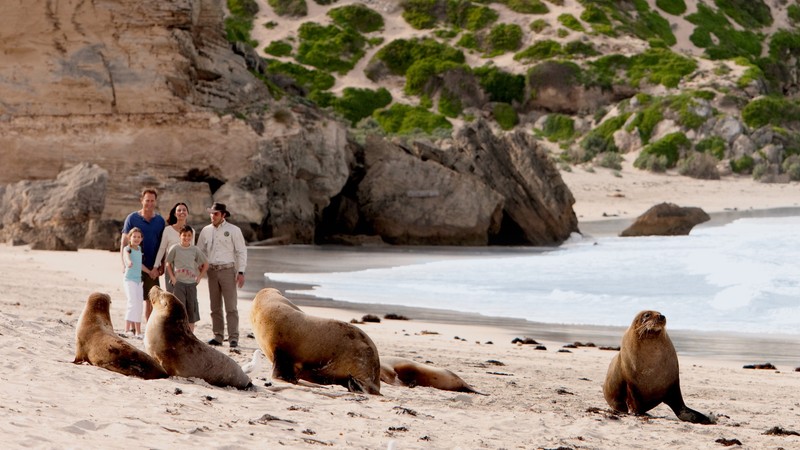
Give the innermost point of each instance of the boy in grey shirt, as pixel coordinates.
(186, 265)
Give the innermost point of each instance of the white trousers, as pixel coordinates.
(133, 290)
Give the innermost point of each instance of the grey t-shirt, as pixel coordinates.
(186, 262)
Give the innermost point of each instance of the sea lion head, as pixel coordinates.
(167, 305)
(649, 324)
(98, 307)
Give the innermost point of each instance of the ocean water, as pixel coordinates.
(742, 277)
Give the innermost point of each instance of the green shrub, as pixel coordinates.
(770, 110)
(728, 42)
(357, 16)
(450, 104)
(469, 41)
(538, 25)
(674, 7)
(539, 51)
(601, 138)
(467, 15)
(651, 25)
(239, 24)
(609, 160)
(669, 147)
(713, 145)
(577, 47)
(356, 103)
(558, 127)
(747, 13)
(647, 119)
(405, 119)
(504, 38)
(569, 21)
(526, 6)
(594, 14)
(793, 12)
(400, 54)
(418, 75)
(660, 66)
(419, 13)
(501, 86)
(278, 48)
(293, 8)
(743, 165)
(311, 80)
(329, 48)
(248, 8)
(505, 115)
(791, 166)
(702, 166)
(784, 44)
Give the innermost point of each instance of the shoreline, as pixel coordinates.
(52, 403)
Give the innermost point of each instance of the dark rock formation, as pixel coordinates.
(666, 219)
(475, 189)
(409, 201)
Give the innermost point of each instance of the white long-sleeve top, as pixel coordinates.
(223, 245)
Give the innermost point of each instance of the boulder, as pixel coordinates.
(409, 201)
(666, 219)
(537, 204)
(55, 214)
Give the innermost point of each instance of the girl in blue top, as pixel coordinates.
(132, 283)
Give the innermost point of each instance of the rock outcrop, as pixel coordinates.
(109, 97)
(666, 219)
(475, 189)
(62, 214)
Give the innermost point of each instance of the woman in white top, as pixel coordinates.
(171, 236)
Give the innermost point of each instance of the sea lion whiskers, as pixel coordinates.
(649, 324)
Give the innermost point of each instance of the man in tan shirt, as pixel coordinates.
(224, 247)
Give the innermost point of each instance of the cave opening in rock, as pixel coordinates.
(510, 233)
(211, 175)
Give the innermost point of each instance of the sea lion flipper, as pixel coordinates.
(283, 367)
(674, 400)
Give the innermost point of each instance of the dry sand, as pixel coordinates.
(536, 398)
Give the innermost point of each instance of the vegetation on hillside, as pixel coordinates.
(647, 95)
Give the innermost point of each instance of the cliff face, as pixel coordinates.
(149, 93)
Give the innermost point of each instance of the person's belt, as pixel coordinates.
(220, 266)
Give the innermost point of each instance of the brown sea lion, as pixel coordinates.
(315, 349)
(405, 372)
(645, 372)
(175, 347)
(98, 344)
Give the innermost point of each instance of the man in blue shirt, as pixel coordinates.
(152, 226)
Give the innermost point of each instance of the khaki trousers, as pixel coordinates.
(222, 286)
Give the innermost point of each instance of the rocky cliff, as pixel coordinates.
(100, 99)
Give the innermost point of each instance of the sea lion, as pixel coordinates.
(180, 353)
(405, 372)
(98, 344)
(315, 349)
(645, 372)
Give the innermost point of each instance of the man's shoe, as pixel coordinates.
(234, 344)
(214, 342)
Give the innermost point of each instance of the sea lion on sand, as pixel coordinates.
(645, 372)
(315, 349)
(176, 348)
(405, 372)
(97, 343)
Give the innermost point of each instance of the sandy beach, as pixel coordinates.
(536, 398)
